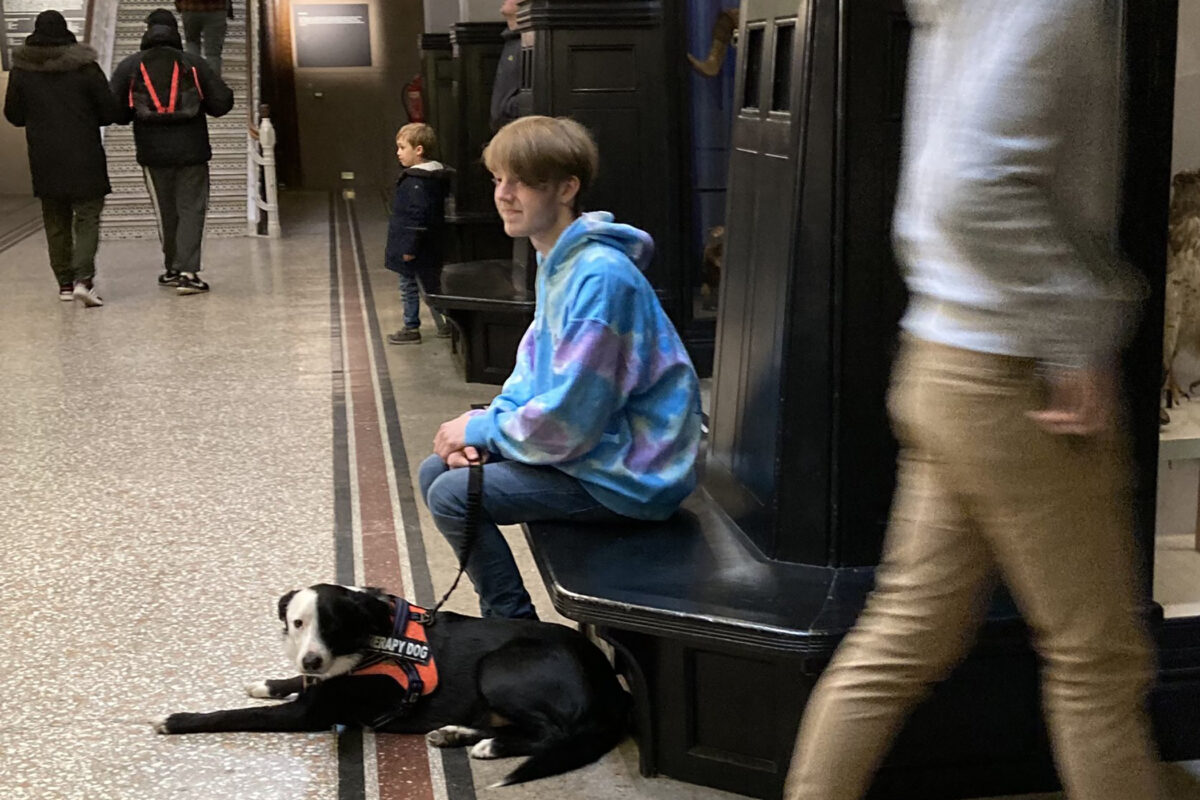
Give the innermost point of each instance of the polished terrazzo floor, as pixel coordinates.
(172, 464)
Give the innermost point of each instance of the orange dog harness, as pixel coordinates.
(405, 656)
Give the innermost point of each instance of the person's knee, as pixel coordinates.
(446, 498)
(1120, 667)
(429, 471)
(887, 649)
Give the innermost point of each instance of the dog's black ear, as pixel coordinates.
(373, 607)
(283, 604)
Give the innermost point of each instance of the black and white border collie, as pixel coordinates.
(506, 687)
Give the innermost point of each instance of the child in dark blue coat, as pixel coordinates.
(415, 229)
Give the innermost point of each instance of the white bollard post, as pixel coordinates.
(266, 137)
(251, 185)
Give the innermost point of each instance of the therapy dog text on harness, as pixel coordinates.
(404, 656)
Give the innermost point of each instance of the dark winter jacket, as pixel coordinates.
(418, 216)
(177, 144)
(508, 81)
(59, 95)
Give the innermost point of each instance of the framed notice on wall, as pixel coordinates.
(332, 35)
(17, 16)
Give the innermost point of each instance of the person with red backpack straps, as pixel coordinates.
(166, 94)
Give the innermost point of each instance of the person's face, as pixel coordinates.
(526, 210)
(408, 154)
(508, 9)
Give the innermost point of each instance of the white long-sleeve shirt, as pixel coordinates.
(1006, 216)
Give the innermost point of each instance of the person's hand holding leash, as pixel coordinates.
(1080, 402)
(465, 457)
(450, 436)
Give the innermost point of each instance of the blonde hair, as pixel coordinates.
(418, 134)
(542, 150)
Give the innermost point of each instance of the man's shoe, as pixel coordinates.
(405, 336)
(169, 278)
(190, 284)
(66, 292)
(85, 293)
(444, 331)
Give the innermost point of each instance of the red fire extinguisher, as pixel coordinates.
(414, 103)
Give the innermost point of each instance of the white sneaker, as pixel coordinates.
(87, 294)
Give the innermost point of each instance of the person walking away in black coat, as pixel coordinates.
(58, 93)
(166, 94)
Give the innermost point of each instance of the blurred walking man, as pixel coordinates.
(1004, 400)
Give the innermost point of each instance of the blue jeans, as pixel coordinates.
(411, 287)
(512, 493)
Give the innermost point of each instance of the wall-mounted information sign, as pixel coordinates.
(332, 35)
(17, 16)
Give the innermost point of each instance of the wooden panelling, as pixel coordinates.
(611, 67)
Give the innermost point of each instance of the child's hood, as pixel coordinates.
(428, 169)
(598, 226)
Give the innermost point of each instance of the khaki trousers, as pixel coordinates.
(983, 492)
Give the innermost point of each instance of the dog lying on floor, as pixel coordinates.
(508, 687)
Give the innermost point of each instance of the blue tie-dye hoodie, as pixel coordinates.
(603, 388)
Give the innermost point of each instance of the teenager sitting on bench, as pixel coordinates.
(600, 419)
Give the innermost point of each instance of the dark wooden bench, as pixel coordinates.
(489, 314)
(474, 236)
(721, 647)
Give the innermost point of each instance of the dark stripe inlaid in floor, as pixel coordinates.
(456, 766)
(351, 781)
(403, 761)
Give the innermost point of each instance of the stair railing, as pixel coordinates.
(262, 154)
(262, 187)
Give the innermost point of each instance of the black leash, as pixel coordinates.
(470, 530)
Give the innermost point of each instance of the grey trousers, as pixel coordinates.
(180, 197)
(209, 26)
(72, 235)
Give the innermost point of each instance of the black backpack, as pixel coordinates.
(164, 89)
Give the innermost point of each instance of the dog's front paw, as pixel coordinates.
(259, 689)
(161, 724)
(272, 689)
